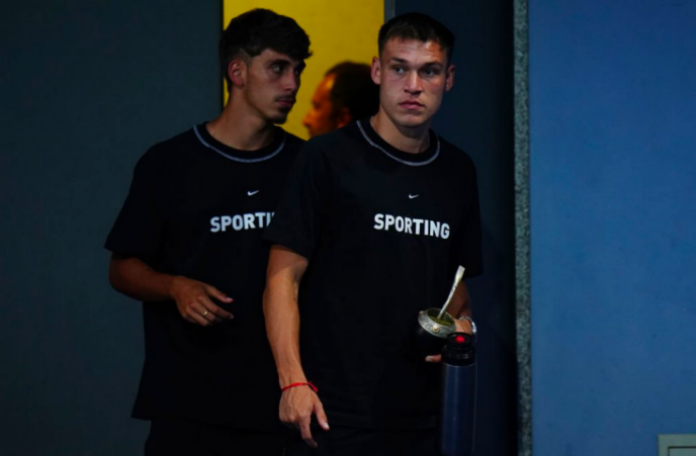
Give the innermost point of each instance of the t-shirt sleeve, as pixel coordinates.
(304, 203)
(139, 227)
(468, 240)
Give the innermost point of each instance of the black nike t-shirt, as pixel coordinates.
(384, 231)
(198, 208)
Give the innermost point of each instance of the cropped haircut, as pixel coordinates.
(251, 33)
(417, 26)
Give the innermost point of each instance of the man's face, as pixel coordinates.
(413, 76)
(272, 81)
(320, 118)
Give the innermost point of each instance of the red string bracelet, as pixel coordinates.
(292, 385)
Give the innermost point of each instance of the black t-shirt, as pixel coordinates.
(198, 208)
(384, 231)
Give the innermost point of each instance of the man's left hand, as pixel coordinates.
(462, 326)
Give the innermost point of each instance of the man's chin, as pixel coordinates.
(278, 118)
(411, 121)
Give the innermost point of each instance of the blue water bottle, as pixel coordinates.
(458, 410)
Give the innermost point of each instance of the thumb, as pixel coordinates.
(321, 415)
(215, 293)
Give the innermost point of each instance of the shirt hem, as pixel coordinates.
(348, 420)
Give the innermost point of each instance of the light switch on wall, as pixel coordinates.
(676, 444)
(682, 452)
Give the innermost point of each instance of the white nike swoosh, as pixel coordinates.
(413, 196)
(250, 193)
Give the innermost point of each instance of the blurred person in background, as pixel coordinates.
(346, 93)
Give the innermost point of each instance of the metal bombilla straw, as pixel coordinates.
(457, 279)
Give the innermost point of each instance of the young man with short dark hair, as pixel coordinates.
(188, 243)
(374, 221)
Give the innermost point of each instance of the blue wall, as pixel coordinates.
(86, 88)
(613, 200)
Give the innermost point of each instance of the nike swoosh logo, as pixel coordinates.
(412, 196)
(250, 193)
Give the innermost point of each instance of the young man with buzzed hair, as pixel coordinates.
(373, 223)
(188, 243)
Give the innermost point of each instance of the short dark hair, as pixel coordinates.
(417, 26)
(353, 89)
(251, 33)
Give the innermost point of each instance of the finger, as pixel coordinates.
(215, 310)
(463, 326)
(196, 317)
(433, 359)
(321, 415)
(217, 294)
(208, 310)
(307, 433)
(205, 313)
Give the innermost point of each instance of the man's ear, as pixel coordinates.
(376, 70)
(237, 72)
(450, 78)
(343, 117)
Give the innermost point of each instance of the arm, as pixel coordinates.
(280, 307)
(461, 305)
(285, 271)
(134, 278)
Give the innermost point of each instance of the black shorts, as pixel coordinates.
(175, 437)
(345, 441)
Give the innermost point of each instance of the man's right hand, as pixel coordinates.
(296, 408)
(193, 301)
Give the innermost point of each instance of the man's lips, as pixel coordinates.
(286, 102)
(411, 104)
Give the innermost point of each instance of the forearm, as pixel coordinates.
(136, 279)
(461, 302)
(282, 314)
(283, 329)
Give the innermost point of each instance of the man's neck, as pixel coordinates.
(241, 128)
(413, 140)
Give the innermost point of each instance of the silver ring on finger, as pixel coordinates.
(205, 313)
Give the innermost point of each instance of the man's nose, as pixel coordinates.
(413, 82)
(292, 83)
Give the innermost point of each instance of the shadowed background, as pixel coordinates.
(87, 87)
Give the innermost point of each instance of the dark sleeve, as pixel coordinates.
(468, 240)
(139, 227)
(304, 203)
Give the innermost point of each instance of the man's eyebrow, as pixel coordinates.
(279, 61)
(433, 63)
